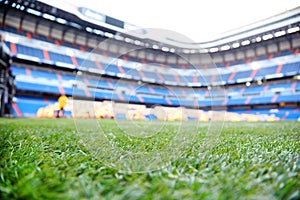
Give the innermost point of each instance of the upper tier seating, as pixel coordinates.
(112, 69)
(61, 58)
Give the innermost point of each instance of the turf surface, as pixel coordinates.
(54, 159)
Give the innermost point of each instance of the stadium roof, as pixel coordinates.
(199, 21)
(103, 19)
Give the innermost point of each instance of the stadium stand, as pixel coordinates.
(52, 59)
(7, 85)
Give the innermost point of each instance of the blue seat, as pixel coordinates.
(288, 98)
(262, 72)
(291, 69)
(56, 57)
(161, 91)
(43, 74)
(151, 75)
(236, 101)
(37, 87)
(261, 100)
(18, 70)
(30, 105)
(242, 75)
(29, 51)
(253, 90)
(297, 87)
(67, 77)
(87, 63)
(143, 89)
(280, 85)
(168, 77)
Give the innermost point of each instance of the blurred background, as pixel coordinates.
(145, 64)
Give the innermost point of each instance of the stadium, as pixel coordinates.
(94, 107)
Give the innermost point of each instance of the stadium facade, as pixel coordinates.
(58, 49)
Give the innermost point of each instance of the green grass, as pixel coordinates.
(50, 159)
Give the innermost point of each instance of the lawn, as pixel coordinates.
(108, 159)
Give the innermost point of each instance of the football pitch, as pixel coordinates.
(110, 159)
